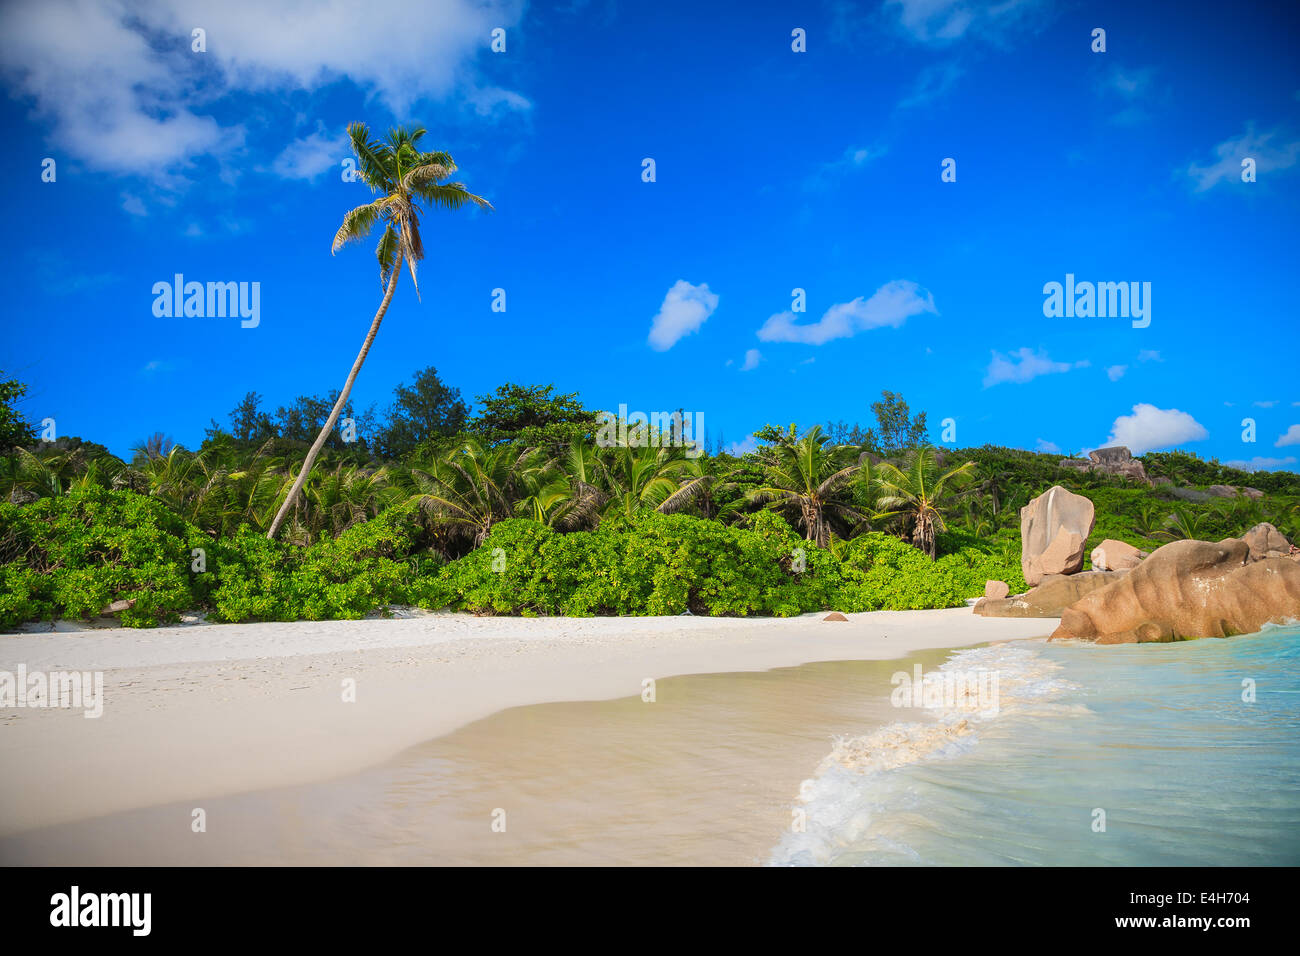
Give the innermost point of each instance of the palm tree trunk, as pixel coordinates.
(343, 400)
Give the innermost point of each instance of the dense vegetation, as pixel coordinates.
(518, 510)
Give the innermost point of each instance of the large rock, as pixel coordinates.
(1053, 528)
(996, 589)
(1189, 494)
(1063, 556)
(1222, 491)
(1118, 460)
(1050, 598)
(1188, 589)
(1264, 541)
(1112, 555)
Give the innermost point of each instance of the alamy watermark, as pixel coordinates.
(1101, 300)
(654, 430)
(215, 300)
(70, 689)
(946, 690)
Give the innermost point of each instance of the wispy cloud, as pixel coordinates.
(309, 156)
(891, 305)
(1024, 365)
(1132, 88)
(1259, 463)
(942, 22)
(752, 358)
(854, 158)
(1116, 372)
(125, 94)
(931, 84)
(1271, 151)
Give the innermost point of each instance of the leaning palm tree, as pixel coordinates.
(919, 494)
(404, 177)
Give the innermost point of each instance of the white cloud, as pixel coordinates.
(1263, 404)
(1149, 355)
(1150, 428)
(1290, 437)
(743, 447)
(1116, 372)
(1024, 365)
(931, 84)
(684, 310)
(855, 157)
(752, 358)
(1132, 86)
(134, 205)
(890, 305)
(123, 92)
(308, 157)
(1129, 83)
(493, 99)
(939, 22)
(1261, 147)
(1047, 447)
(1261, 464)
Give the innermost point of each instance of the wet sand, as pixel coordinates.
(195, 715)
(706, 773)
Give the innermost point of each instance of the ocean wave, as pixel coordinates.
(838, 807)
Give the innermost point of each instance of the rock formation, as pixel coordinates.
(1265, 541)
(1188, 589)
(1050, 598)
(1112, 555)
(1053, 528)
(1118, 460)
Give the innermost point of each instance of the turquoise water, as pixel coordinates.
(1157, 736)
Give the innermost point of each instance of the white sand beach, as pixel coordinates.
(199, 712)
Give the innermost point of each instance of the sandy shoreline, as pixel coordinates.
(193, 713)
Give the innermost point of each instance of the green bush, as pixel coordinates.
(667, 564)
(651, 564)
(74, 555)
(368, 567)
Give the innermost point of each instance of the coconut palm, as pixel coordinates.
(1182, 523)
(404, 177)
(644, 478)
(812, 482)
(919, 494)
(475, 486)
(345, 496)
(1148, 520)
(565, 493)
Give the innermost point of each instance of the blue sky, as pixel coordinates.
(775, 170)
